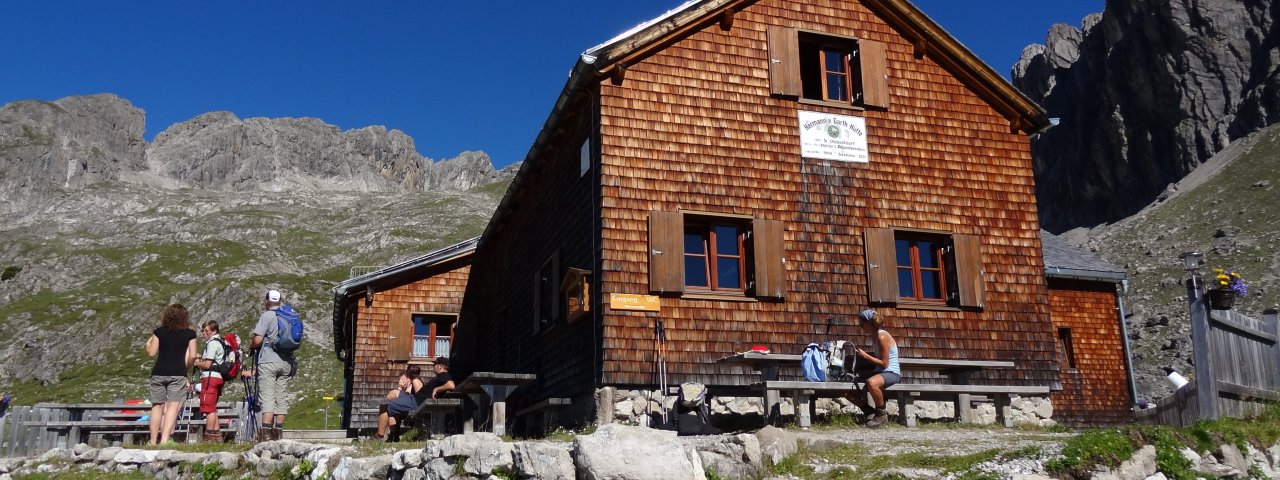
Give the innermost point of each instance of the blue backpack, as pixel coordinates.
(814, 363)
(290, 329)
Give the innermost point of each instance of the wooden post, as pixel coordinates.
(803, 405)
(604, 406)
(1271, 324)
(1206, 386)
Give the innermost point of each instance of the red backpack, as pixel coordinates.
(232, 357)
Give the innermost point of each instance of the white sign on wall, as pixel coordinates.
(833, 137)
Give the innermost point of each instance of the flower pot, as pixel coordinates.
(1221, 298)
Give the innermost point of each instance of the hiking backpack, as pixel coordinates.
(814, 363)
(232, 357)
(290, 329)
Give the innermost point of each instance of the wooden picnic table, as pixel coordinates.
(496, 386)
(958, 372)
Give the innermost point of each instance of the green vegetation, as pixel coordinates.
(1106, 447)
(855, 461)
(10, 272)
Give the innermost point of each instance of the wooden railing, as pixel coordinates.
(1237, 367)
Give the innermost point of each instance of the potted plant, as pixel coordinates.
(1227, 285)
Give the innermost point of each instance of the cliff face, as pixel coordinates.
(69, 143)
(1145, 92)
(79, 141)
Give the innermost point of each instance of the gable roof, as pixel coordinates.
(615, 54)
(393, 276)
(1064, 260)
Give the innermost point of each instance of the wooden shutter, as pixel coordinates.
(875, 74)
(400, 337)
(969, 272)
(770, 264)
(882, 266)
(666, 252)
(784, 61)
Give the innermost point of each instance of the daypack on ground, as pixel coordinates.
(290, 329)
(232, 357)
(814, 363)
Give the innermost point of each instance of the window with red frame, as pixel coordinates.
(714, 258)
(922, 272)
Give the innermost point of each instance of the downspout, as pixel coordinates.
(1122, 288)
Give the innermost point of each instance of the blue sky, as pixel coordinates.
(454, 75)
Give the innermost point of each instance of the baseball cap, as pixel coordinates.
(868, 314)
(273, 295)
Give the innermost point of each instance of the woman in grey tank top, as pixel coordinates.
(885, 358)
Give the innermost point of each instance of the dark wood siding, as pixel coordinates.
(695, 127)
(552, 215)
(1096, 392)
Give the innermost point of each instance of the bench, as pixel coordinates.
(906, 394)
(433, 409)
(92, 423)
(546, 412)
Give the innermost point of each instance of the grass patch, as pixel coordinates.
(10, 272)
(856, 461)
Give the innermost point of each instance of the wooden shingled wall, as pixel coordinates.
(1095, 392)
(693, 127)
(374, 375)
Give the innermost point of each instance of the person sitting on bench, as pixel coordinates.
(887, 372)
(400, 405)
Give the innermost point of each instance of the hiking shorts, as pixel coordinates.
(402, 405)
(210, 390)
(273, 387)
(890, 378)
(167, 388)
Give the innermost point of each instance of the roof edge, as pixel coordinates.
(1073, 273)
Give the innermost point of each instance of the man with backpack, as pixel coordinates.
(218, 362)
(275, 339)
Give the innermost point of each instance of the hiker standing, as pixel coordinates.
(275, 369)
(173, 345)
(211, 381)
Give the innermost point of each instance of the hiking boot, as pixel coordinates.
(877, 419)
(264, 434)
(276, 433)
(212, 437)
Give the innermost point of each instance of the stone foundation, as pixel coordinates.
(645, 407)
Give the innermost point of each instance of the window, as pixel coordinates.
(577, 294)
(919, 268)
(546, 293)
(921, 272)
(827, 68)
(432, 334)
(707, 253)
(1065, 350)
(713, 255)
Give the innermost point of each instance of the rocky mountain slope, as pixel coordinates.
(1228, 209)
(1146, 91)
(102, 229)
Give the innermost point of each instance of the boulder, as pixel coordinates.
(465, 445)
(776, 444)
(543, 460)
(729, 456)
(649, 454)
(488, 458)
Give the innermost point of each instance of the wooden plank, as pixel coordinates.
(666, 252)
(784, 61)
(969, 271)
(882, 267)
(770, 267)
(400, 336)
(1230, 320)
(875, 73)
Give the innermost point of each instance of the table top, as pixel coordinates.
(480, 379)
(755, 358)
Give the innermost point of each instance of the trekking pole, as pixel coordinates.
(661, 333)
(184, 415)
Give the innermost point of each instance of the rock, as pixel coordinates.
(730, 456)
(437, 469)
(226, 460)
(55, 454)
(1125, 137)
(406, 459)
(543, 460)
(489, 457)
(465, 445)
(108, 453)
(267, 467)
(650, 454)
(1232, 457)
(776, 444)
(414, 474)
